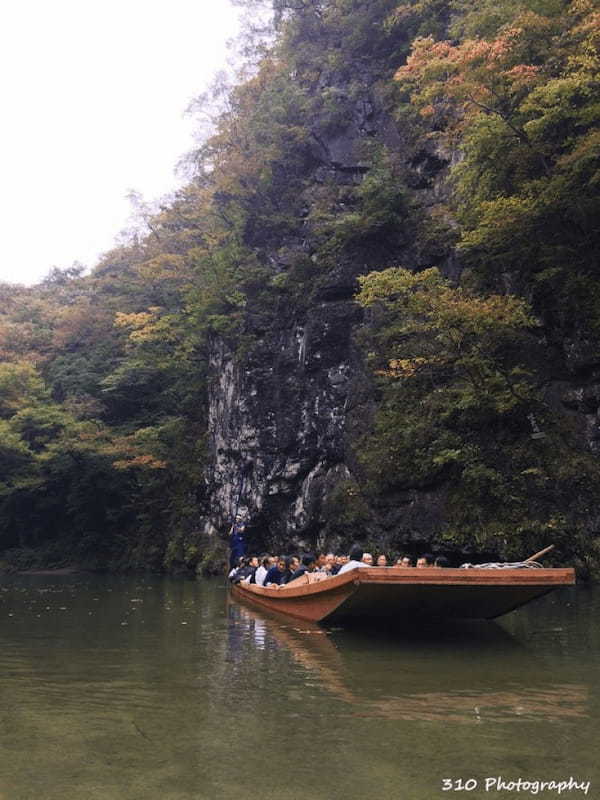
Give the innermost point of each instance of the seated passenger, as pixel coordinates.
(274, 576)
(246, 573)
(239, 565)
(405, 561)
(309, 563)
(331, 564)
(355, 560)
(253, 563)
(291, 565)
(441, 561)
(368, 559)
(425, 561)
(321, 563)
(261, 572)
(381, 560)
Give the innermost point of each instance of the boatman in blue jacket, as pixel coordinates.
(237, 542)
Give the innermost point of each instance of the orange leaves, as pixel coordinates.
(478, 76)
(78, 323)
(134, 451)
(403, 367)
(523, 75)
(134, 321)
(144, 461)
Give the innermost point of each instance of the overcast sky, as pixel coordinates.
(93, 100)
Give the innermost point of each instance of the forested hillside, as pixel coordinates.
(373, 312)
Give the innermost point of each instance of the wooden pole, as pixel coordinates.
(541, 553)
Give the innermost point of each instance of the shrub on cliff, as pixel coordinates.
(461, 408)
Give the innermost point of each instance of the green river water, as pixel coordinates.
(162, 689)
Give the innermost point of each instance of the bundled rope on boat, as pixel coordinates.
(529, 563)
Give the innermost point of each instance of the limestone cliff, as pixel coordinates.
(285, 416)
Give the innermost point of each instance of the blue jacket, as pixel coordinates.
(274, 575)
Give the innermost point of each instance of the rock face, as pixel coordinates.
(277, 428)
(282, 418)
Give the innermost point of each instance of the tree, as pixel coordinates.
(522, 106)
(462, 409)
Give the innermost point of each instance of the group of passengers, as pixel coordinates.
(280, 570)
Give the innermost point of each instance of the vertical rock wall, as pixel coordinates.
(277, 425)
(282, 419)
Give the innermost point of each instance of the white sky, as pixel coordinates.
(93, 94)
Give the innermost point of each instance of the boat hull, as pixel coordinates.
(400, 594)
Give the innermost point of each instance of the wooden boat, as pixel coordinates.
(400, 593)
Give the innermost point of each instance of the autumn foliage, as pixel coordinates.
(479, 158)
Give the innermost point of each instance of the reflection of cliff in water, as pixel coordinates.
(460, 673)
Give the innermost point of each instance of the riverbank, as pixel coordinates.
(61, 557)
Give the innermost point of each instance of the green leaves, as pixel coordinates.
(20, 384)
(457, 393)
(17, 462)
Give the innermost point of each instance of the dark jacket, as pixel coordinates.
(299, 573)
(237, 544)
(274, 575)
(242, 573)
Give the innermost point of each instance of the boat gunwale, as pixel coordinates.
(407, 576)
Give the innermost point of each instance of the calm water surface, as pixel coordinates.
(159, 688)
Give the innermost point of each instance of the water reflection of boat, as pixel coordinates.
(394, 593)
(455, 675)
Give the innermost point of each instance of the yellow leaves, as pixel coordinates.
(401, 367)
(144, 461)
(389, 284)
(163, 267)
(134, 321)
(20, 385)
(587, 27)
(499, 219)
(146, 326)
(438, 306)
(466, 309)
(436, 335)
(533, 472)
